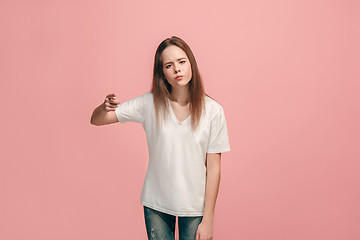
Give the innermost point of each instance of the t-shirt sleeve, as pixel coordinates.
(132, 110)
(219, 140)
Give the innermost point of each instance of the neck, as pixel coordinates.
(181, 95)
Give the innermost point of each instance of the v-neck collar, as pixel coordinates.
(173, 116)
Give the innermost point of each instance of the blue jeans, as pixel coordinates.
(161, 226)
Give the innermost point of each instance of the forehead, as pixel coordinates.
(172, 52)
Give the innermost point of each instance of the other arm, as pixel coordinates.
(212, 184)
(212, 187)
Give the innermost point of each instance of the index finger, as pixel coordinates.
(111, 95)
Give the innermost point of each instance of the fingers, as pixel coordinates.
(111, 95)
(197, 235)
(111, 102)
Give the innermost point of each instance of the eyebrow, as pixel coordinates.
(177, 59)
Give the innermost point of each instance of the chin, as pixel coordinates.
(181, 85)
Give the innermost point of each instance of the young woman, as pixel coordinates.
(186, 133)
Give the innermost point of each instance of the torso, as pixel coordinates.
(181, 112)
(176, 177)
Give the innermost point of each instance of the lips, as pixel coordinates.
(179, 77)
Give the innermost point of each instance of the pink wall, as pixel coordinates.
(284, 71)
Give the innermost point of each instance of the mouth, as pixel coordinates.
(179, 77)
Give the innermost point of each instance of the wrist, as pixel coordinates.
(208, 218)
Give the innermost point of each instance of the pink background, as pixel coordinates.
(286, 73)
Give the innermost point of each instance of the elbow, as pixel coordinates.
(92, 122)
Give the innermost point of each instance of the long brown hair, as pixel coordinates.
(161, 88)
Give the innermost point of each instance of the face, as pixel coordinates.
(176, 63)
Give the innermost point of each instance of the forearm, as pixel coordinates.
(212, 188)
(98, 115)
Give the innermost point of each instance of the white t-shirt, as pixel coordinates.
(175, 180)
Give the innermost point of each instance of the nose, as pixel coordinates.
(176, 68)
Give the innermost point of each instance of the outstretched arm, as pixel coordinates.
(105, 112)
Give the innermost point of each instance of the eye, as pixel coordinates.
(183, 61)
(167, 66)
